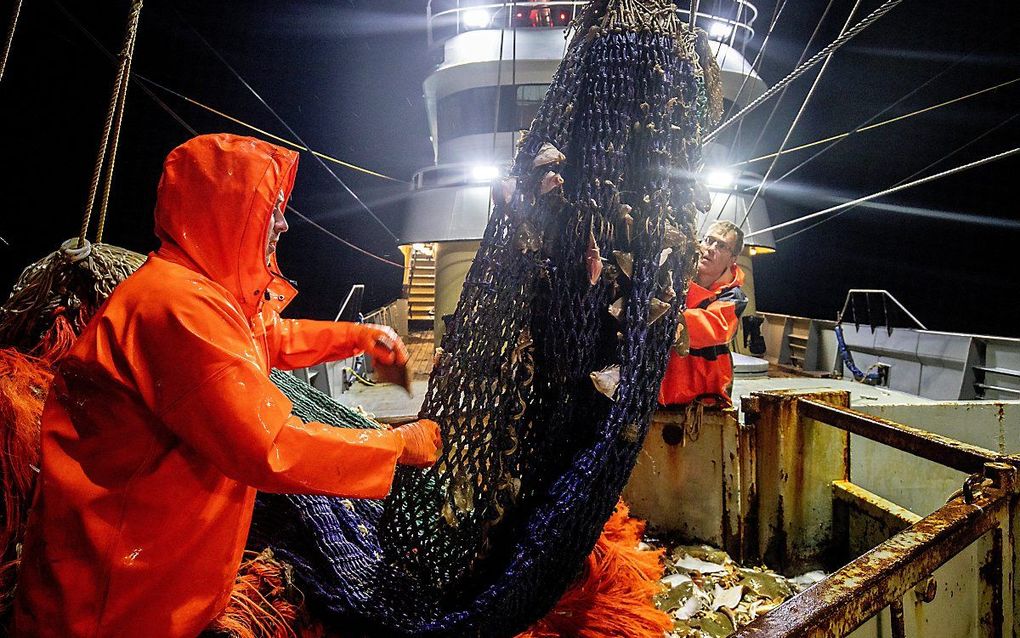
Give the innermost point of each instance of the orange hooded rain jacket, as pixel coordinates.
(711, 317)
(162, 421)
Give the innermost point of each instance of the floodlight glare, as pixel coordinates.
(484, 173)
(719, 178)
(476, 19)
(720, 31)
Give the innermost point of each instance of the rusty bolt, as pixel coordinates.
(926, 589)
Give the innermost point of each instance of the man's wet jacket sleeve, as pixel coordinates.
(301, 343)
(206, 379)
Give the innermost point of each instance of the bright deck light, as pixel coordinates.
(484, 173)
(476, 19)
(720, 31)
(719, 178)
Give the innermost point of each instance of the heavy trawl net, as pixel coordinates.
(547, 377)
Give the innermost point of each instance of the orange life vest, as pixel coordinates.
(711, 317)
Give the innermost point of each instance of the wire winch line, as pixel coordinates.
(898, 118)
(184, 124)
(803, 56)
(757, 58)
(134, 76)
(908, 177)
(343, 241)
(755, 67)
(264, 132)
(799, 71)
(874, 117)
(143, 80)
(772, 114)
(888, 191)
(289, 129)
(9, 40)
(763, 184)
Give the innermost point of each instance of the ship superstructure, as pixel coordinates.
(494, 62)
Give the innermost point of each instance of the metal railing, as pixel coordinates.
(447, 18)
(880, 578)
(872, 317)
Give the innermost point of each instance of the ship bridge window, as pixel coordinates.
(473, 111)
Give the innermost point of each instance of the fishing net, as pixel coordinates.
(54, 297)
(548, 373)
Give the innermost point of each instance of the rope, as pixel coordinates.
(289, 129)
(10, 38)
(125, 55)
(184, 124)
(155, 98)
(796, 120)
(265, 133)
(871, 119)
(777, 12)
(862, 129)
(889, 191)
(887, 6)
(694, 14)
(123, 83)
(754, 65)
(909, 177)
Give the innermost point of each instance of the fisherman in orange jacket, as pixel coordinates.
(162, 421)
(714, 305)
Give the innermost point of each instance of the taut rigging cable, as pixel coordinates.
(888, 191)
(871, 119)
(861, 129)
(754, 69)
(871, 18)
(289, 129)
(793, 125)
(908, 177)
(184, 124)
(772, 113)
(251, 127)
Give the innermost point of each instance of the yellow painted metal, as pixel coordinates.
(453, 260)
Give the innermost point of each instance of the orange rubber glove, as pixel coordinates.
(380, 343)
(422, 443)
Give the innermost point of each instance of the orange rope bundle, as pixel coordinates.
(24, 382)
(262, 603)
(614, 597)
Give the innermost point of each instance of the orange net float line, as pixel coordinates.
(24, 382)
(614, 595)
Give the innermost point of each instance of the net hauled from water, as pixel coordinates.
(549, 371)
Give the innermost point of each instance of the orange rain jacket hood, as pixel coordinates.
(162, 421)
(711, 317)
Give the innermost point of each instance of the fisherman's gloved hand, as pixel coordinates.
(422, 443)
(380, 343)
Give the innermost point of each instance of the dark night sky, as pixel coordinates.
(347, 76)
